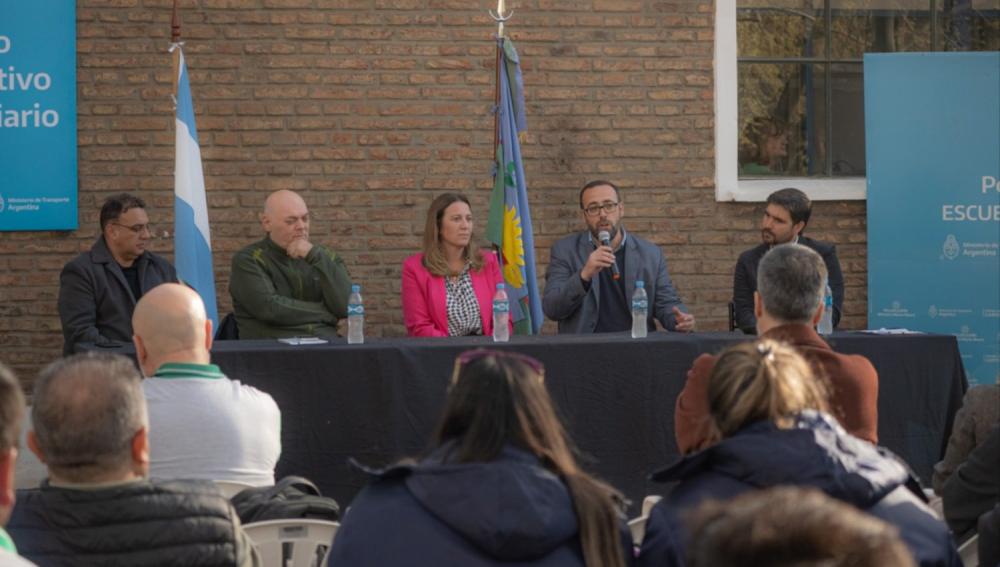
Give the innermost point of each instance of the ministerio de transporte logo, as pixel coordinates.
(951, 249)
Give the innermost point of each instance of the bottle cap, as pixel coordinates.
(355, 288)
(640, 284)
(500, 286)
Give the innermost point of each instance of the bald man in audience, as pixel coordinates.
(201, 424)
(285, 285)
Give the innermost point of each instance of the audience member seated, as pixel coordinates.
(499, 486)
(974, 488)
(285, 285)
(99, 288)
(11, 414)
(448, 288)
(770, 415)
(989, 538)
(980, 411)
(201, 424)
(788, 304)
(97, 507)
(791, 527)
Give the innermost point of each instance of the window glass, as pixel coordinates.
(800, 73)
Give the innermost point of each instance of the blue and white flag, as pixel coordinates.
(509, 223)
(192, 241)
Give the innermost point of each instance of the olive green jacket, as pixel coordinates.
(277, 296)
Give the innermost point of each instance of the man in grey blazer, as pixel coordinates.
(582, 292)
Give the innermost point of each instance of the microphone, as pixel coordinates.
(605, 238)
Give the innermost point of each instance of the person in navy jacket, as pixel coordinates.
(500, 486)
(770, 418)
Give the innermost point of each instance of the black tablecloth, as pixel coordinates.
(380, 401)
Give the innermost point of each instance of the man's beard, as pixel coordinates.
(612, 231)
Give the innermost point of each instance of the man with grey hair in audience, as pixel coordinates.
(11, 415)
(788, 304)
(89, 427)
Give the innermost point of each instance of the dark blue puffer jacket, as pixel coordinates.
(816, 453)
(509, 512)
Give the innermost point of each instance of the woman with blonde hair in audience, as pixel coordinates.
(770, 416)
(499, 486)
(448, 288)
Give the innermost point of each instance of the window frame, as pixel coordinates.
(728, 185)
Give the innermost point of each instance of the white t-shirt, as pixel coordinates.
(210, 427)
(8, 559)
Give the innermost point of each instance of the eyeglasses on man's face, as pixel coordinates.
(595, 209)
(137, 228)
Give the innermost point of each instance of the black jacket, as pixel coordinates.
(974, 488)
(510, 511)
(745, 281)
(816, 453)
(95, 300)
(138, 524)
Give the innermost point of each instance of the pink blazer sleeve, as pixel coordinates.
(419, 314)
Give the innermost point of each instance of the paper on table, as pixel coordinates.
(295, 341)
(896, 331)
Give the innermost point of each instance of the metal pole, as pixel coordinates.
(175, 38)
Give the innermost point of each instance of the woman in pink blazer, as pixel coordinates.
(448, 288)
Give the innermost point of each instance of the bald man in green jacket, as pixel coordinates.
(284, 285)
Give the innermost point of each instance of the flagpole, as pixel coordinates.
(499, 17)
(175, 38)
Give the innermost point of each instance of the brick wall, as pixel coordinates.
(370, 108)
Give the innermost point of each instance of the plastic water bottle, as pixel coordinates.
(355, 317)
(826, 321)
(640, 310)
(501, 315)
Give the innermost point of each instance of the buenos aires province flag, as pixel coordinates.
(192, 242)
(509, 224)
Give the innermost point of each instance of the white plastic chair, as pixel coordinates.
(230, 488)
(292, 543)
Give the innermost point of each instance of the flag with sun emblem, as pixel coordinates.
(509, 224)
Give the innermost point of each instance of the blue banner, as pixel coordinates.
(38, 115)
(932, 126)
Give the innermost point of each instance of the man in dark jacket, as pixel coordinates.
(89, 427)
(785, 217)
(98, 289)
(816, 452)
(974, 489)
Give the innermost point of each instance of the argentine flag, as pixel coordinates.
(192, 242)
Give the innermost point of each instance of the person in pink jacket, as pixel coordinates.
(448, 288)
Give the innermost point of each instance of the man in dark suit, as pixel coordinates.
(785, 218)
(584, 293)
(787, 307)
(98, 289)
